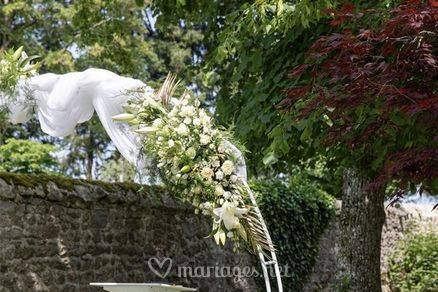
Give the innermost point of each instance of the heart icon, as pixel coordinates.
(157, 266)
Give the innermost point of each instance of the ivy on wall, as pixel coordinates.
(296, 214)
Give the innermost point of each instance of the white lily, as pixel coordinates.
(229, 214)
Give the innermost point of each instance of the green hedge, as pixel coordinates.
(414, 264)
(296, 216)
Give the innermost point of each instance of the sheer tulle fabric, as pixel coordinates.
(63, 101)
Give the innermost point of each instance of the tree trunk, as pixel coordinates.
(361, 219)
(90, 154)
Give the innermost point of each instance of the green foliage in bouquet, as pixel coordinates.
(297, 214)
(24, 156)
(414, 265)
(13, 66)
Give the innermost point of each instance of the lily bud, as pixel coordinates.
(220, 237)
(17, 54)
(185, 169)
(134, 122)
(145, 130)
(124, 117)
(129, 108)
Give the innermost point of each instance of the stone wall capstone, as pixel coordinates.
(58, 234)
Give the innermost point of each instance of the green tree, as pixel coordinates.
(252, 48)
(74, 35)
(366, 98)
(117, 170)
(24, 156)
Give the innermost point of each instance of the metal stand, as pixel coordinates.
(273, 260)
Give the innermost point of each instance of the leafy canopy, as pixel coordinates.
(250, 48)
(74, 35)
(367, 96)
(24, 156)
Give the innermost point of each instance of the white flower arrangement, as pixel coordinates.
(193, 159)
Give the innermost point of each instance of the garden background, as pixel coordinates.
(266, 70)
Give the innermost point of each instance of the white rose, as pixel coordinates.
(191, 152)
(208, 205)
(204, 139)
(207, 172)
(228, 167)
(182, 130)
(219, 175)
(196, 122)
(216, 162)
(148, 101)
(173, 112)
(157, 122)
(205, 119)
(233, 178)
(227, 195)
(206, 130)
(171, 143)
(218, 190)
(221, 148)
(187, 121)
(197, 190)
(187, 111)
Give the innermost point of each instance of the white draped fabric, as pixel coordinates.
(63, 101)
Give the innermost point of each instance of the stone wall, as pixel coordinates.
(60, 235)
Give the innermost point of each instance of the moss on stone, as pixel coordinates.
(32, 181)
